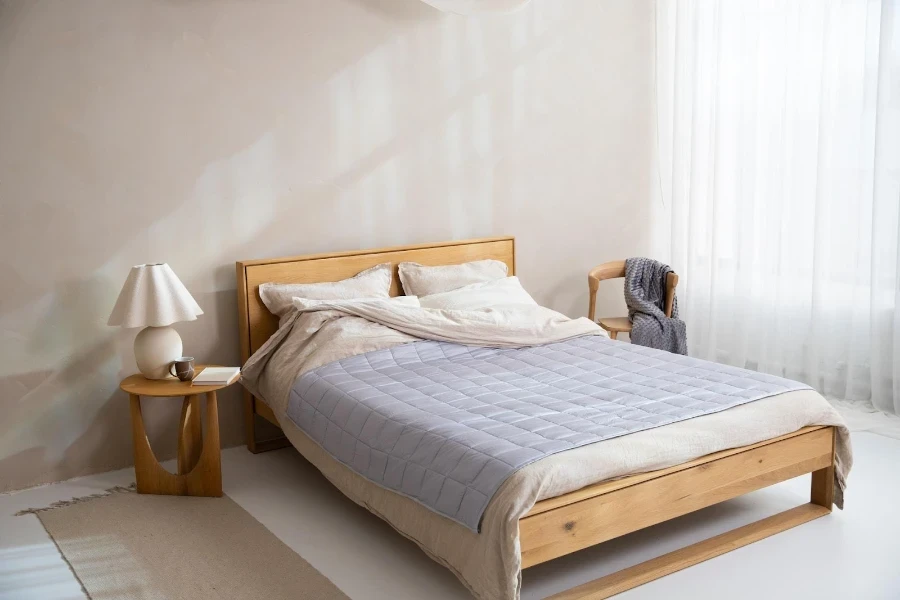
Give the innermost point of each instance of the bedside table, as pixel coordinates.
(199, 459)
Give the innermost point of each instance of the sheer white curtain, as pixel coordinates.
(779, 137)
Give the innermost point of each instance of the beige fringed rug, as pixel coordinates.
(128, 545)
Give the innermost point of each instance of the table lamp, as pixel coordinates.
(153, 298)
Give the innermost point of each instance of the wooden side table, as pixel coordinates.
(199, 459)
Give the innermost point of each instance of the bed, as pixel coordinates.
(550, 527)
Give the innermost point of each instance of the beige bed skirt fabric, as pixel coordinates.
(489, 563)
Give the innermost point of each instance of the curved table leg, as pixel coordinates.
(150, 476)
(190, 435)
(206, 477)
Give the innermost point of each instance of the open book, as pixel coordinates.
(217, 376)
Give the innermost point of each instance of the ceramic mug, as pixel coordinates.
(183, 368)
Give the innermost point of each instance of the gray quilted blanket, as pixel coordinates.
(645, 295)
(447, 424)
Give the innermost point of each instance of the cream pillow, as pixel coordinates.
(419, 280)
(374, 282)
(502, 292)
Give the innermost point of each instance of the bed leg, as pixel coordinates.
(254, 444)
(822, 489)
(249, 422)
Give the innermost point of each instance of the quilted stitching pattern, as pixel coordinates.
(447, 424)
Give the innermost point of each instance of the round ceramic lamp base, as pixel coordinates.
(154, 350)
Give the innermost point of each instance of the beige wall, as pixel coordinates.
(199, 133)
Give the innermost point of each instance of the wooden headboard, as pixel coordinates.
(257, 324)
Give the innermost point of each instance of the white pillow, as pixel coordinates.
(419, 280)
(374, 282)
(502, 292)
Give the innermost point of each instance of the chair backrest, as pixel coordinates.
(616, 269)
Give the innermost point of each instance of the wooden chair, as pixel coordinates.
(612, 270)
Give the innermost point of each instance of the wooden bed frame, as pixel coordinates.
(597, 513)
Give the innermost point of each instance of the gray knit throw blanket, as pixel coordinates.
(645, 295)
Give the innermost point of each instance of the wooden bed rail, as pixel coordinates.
(601, 512)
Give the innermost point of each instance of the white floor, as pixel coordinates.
(853, 554)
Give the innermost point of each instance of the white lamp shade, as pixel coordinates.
(153, 296)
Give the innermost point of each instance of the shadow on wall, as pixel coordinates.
(200, 133)
(61, 402)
